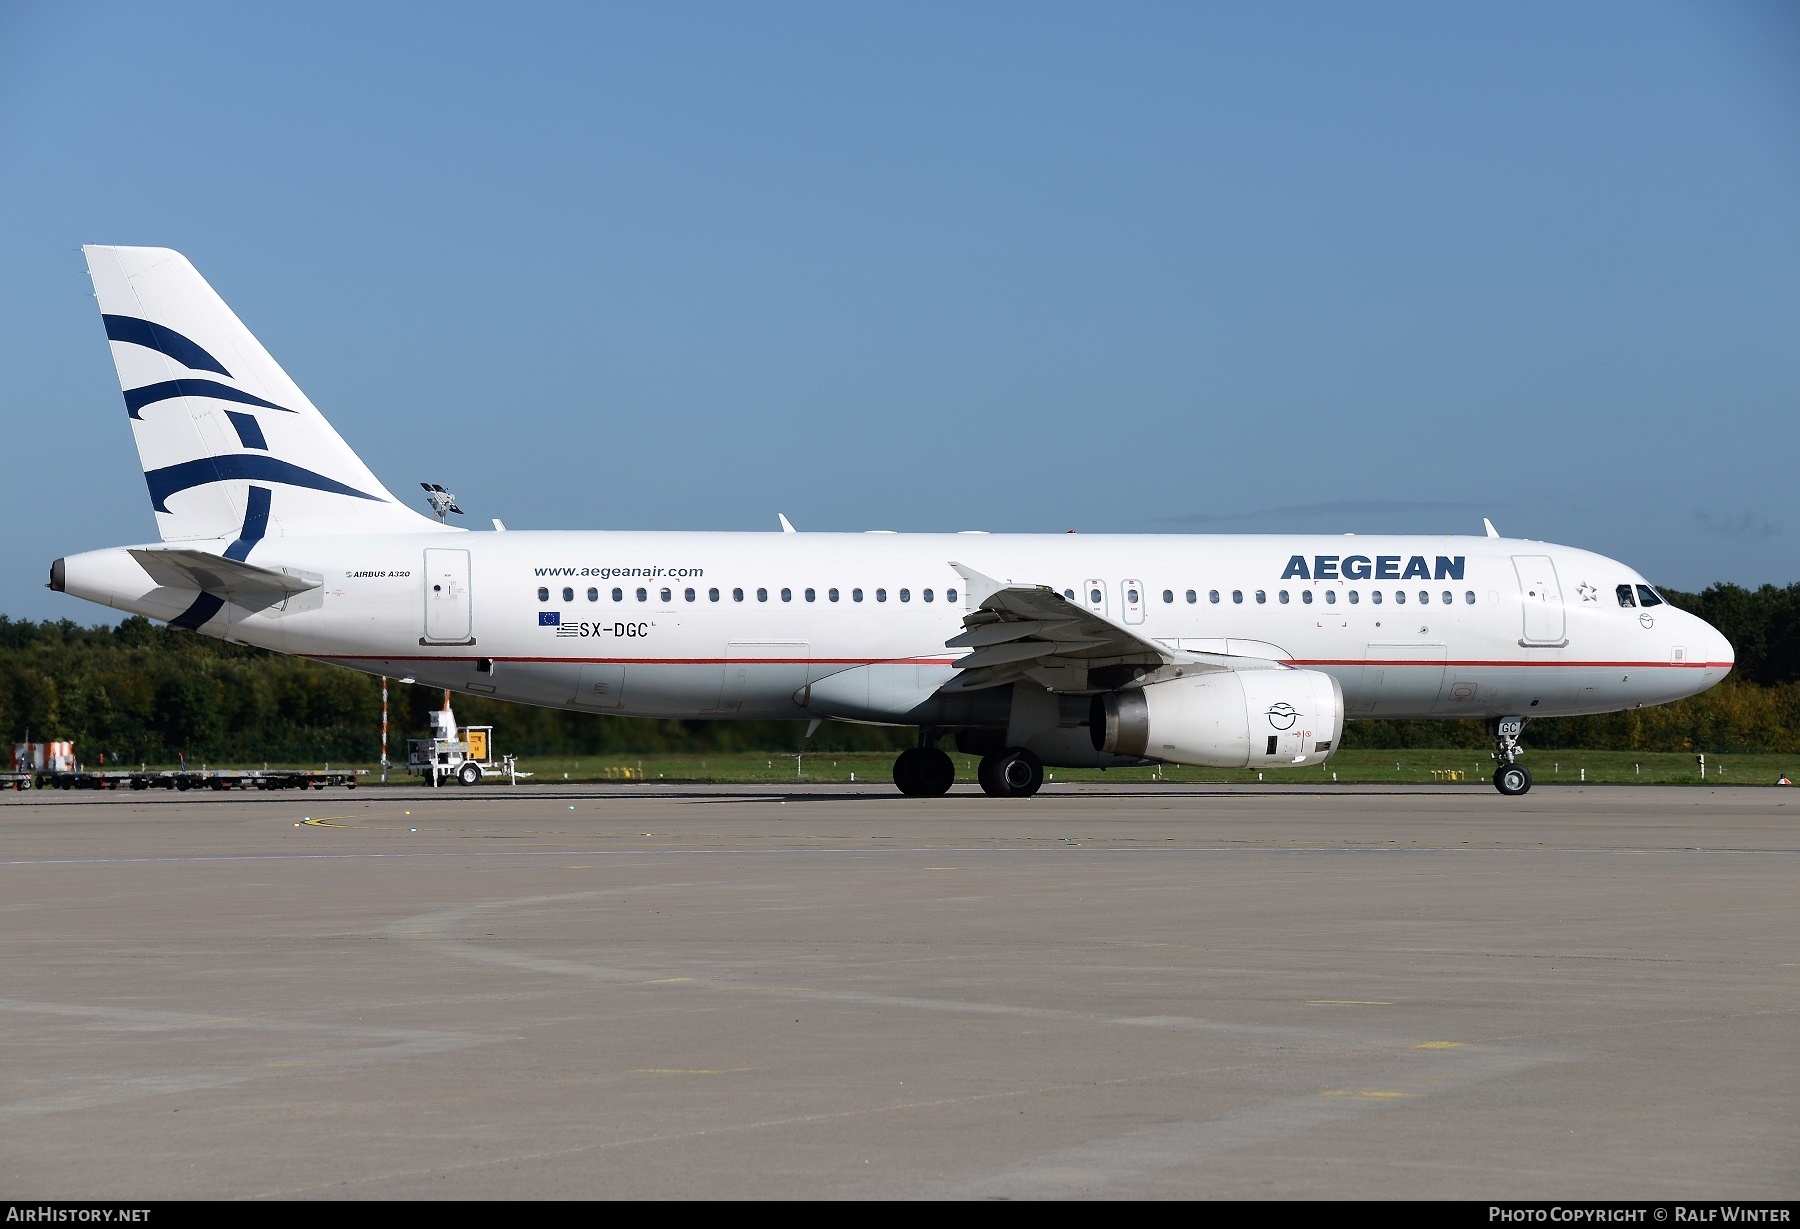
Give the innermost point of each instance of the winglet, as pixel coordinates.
(787, 526)
(977, 588)
(1489, 526)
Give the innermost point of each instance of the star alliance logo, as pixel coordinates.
(1588, 592)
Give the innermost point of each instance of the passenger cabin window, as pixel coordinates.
(1424, 598)
(881, 595)
(1237, 595)
(1354, 599)
(643, 595)
(1625, 598)
(906, 595)
(667, 596)
(1094, 596)
(688, 594)
(1375, 597)
(737, 595)
(1168, 597)
(787, 595)
(1469, 597)
(1068, 595)
(1648, 596)
(568, 595)
(1449, 597)
(1331, 597)
(926, 595)
(593, 595)
(543, 594)
(856, 595)
(949, 595)
(812, 595)
(1212, 595)
(712, 595)
(1400, 597)
(1192, 597)
(1262, 599)
(1131, 596)
(1306, 597)
(762, 595)
(1283, 595)
(832, 594)
(618, 595)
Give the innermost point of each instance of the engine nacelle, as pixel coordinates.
(1224, 719)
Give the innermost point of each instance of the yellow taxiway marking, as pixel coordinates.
(687, 1070)
(1438, 1045)
(663, 981)
(1372, 1094)
(1348, 1003)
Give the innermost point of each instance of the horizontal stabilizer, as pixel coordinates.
(219, 576)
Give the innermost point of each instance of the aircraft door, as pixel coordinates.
(1540, 593)
(448, 608)
(1093, 596)
(1132, 591)
(599, 685)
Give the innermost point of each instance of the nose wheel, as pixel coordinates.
(1013, 773)
(1512, 779)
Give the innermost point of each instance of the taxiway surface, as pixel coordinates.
(646, 991)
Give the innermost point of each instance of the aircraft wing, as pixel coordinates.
(1033, 632)
(219, 576)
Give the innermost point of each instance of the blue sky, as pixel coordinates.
(1151, 268)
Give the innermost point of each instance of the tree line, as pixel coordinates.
(140, 692)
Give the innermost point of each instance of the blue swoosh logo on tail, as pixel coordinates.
(173, 479)
(163, 340)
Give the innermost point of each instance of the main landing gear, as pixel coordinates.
(1511, 777)
(1013, 773)
(924, 772)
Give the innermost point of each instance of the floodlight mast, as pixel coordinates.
(442, 502)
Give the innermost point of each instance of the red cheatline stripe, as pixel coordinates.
(658, 661)
(950, 661)
(1535, 665)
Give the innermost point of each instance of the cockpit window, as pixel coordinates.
(1625, 597)
(1648, 596)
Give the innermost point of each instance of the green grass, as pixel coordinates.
(1347, 767)
(1357, 767)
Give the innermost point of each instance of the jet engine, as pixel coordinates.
(1224, 719)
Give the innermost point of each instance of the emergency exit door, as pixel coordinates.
(448, 612)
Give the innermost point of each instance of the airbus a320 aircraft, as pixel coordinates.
(1030, 650)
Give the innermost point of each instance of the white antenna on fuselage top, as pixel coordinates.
(1489, 526)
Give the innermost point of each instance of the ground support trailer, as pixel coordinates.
(186, 779)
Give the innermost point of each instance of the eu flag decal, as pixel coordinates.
(549, 618)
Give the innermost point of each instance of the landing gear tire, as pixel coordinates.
(1512, 779)
(1013, 773)
(468, 774)
(924, 772)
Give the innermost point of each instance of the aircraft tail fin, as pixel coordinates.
(231, 448)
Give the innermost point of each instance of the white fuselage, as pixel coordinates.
(745, 625)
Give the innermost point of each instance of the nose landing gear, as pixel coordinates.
(1511, 777)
